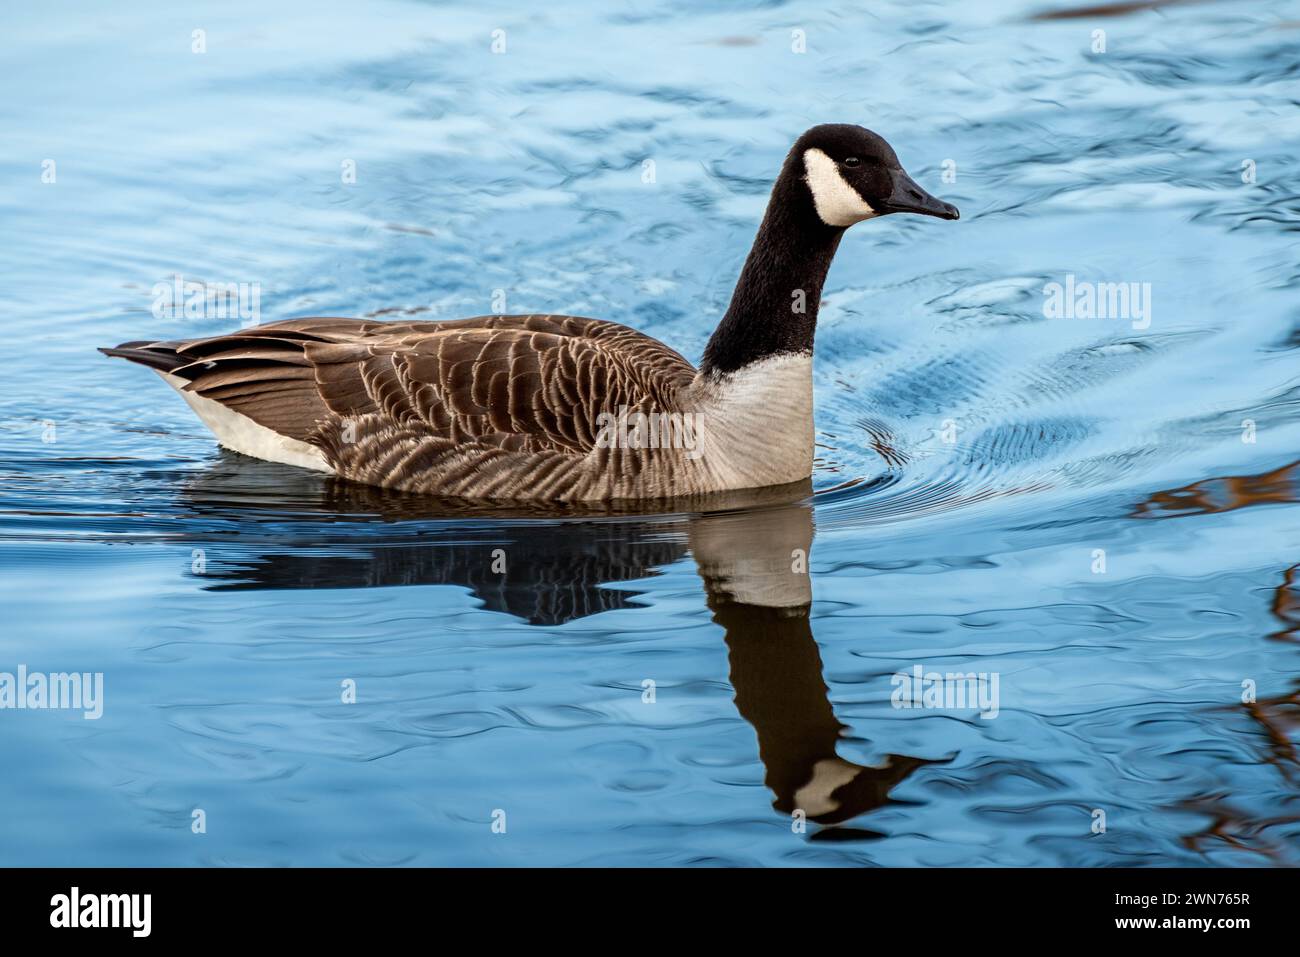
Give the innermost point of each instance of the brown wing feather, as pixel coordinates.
(461, 400)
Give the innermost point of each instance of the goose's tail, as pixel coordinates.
(156, 355)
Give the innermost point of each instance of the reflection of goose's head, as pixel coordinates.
(839, 790)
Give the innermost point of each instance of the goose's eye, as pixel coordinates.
(852, 161)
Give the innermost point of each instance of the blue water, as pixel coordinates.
(978, 462)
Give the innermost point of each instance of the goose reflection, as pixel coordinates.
(298, 530)
(754, 567)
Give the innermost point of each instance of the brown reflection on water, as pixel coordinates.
(1224, 494)
(1279, 716)
(1237, 828)
(1118, 9)
(1286, 607)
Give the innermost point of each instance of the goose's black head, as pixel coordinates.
(851, 174)
(836, 175)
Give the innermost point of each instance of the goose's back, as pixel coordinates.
(486, 407)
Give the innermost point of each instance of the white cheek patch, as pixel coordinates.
(837, 203)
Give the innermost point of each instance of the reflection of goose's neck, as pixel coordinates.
(776, 670)
(754, 567)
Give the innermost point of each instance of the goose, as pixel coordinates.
(554, 407)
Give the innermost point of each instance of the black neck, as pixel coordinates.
(774, 308)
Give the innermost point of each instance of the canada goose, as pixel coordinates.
(555, 407)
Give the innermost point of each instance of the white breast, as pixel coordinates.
(757, 424)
